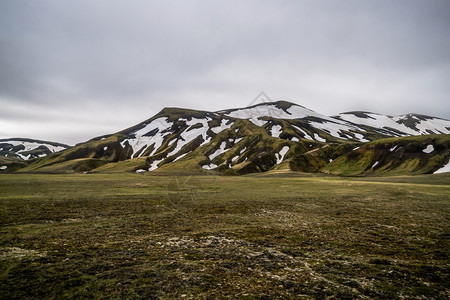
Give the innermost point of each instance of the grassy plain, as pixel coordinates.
(282, 236)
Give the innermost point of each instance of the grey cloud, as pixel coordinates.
(385, 56)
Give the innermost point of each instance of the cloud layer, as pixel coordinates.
(74, 70)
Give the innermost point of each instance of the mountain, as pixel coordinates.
(258, 138)
(28, 148)
(15, 151)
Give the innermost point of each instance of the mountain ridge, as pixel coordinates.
(27, 148)
(237, 141)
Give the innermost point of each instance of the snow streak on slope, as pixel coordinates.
(190, 134)
(155, 133)
(305, 135)
(318, 138)
(393, 148)
(219, 151)
(154, 165)
(151, 134)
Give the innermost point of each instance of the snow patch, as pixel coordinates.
(276, 131)
(3, 167)
(280, 155)
(105, 148)
(393, 148)
(294, 139)
(375, 164)
(235, 158)
(188, 136)
(140, 141)
(209, 167)
(203, 130)
(434, 125)
(444, 169)
(428, 149)
(140, 171)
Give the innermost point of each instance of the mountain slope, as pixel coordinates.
(406, 155)
(237, 141)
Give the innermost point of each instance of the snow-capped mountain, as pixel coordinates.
(282, 120)
(237, 141)
(28, 148)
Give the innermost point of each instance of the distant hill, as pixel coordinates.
(28, 148)
(15, 151)
(407, 155)
(267, 136)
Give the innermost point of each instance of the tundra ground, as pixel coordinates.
(204, 237)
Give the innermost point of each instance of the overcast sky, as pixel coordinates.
(73, 70)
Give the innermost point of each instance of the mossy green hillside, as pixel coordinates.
(406, 155)
(107, 149)
(11, 163)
